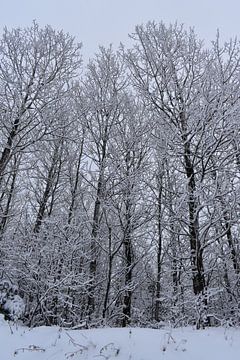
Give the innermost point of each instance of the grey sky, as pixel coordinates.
(103, 22)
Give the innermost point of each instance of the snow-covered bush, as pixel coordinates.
(11, 304)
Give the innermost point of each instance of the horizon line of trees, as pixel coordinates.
(119, 183)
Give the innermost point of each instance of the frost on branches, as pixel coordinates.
(119, 182)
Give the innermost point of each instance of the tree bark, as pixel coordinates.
(47, 191)
(195, 246)
(159, 250)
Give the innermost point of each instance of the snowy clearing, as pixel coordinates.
(53, 343)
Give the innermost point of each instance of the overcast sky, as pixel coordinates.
(95, 22)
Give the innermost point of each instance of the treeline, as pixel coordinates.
(119, 182)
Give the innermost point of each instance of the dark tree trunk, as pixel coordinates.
(75, 187)
(48, 189)
(9, 200)
(159, 251)
(6, 153)
(195, 246)
(128, 250)
(231, 244)
(109, 272)
(93, 248)
(95, 231)
(127, 299)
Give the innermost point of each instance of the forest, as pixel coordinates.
(119, 179)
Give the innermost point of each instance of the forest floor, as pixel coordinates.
(53, 343)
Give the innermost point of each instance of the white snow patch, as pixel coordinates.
(15, 306)
(53, 343)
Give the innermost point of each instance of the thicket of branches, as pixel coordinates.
(119, 183)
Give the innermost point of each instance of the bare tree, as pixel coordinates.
(103, 83)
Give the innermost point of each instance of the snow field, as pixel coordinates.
(53, 343)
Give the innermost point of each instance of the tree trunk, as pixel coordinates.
(47, 191)
(76, 182)
(195, 246)
(6, 153)
(109, 272)
(9, 200)
(159, 251)
(95, 230)
(127, 299)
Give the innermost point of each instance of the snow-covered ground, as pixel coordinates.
(52, 343)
